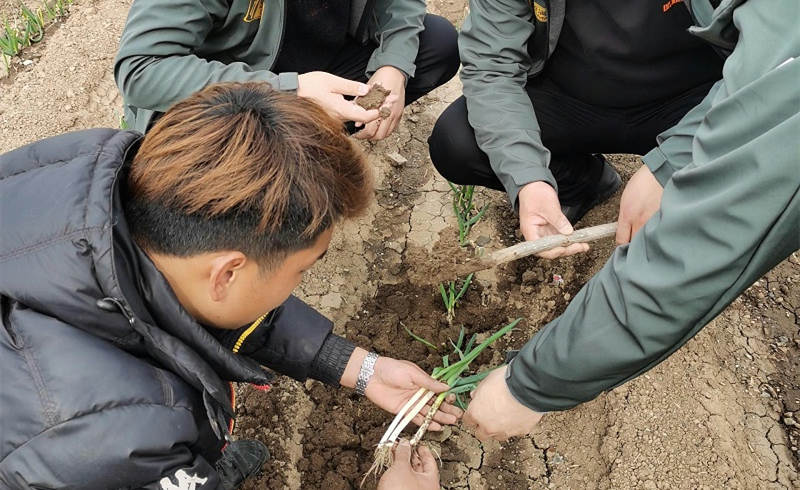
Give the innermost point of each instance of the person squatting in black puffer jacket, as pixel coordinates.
(128, 268)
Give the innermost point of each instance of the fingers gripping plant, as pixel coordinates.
(450, 296)
(463, 207)
(447, 373)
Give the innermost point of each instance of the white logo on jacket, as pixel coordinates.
(185, 481)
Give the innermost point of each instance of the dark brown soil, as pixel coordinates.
(374, 98)
(253, 408)
(339, 450)
(722, 412)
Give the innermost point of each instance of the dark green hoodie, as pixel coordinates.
(173, 48)
(730, 209)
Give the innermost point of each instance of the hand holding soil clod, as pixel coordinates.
(386, 94)
(329, 90)
(374, 98)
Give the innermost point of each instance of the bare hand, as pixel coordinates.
(394, 382)
(640, 200)
(540, 216)
(494, 413)
(329, 90)
(393, 80)
(417, 470)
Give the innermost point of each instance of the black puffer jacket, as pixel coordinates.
(105, 381)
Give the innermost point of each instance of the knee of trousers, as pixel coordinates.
(449, 150)
(442, 39)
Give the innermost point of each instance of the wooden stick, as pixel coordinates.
(525, 249)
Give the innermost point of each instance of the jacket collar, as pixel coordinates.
(65, 251)
(169, 334)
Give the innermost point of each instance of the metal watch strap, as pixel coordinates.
(364, 375)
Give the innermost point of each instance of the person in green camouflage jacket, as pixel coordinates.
(322, 49)
(717, 205)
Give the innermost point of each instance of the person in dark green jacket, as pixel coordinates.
(549, 85)
(720, 201)
(322, 49)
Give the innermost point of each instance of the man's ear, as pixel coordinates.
(225, 268)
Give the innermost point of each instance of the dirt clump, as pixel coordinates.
(374, 99)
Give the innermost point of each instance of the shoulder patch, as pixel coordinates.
(185, 481)
(540, 12)
(254, 11)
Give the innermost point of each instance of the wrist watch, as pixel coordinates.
(366, 372)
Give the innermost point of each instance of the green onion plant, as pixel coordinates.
(420, 339)
(463, 207)
(451, 295)
(13, 38)
(449, 373)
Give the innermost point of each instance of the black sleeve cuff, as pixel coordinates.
(288, 340)
(328, 367)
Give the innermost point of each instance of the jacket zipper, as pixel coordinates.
(110, 304)
(218, 425)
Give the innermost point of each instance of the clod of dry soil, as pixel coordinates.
(720, 413)
(374, 98)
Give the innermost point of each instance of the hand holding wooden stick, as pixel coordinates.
(525, 249)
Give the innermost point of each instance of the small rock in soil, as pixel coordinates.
(441, 435)
(395, 246)
(396, 159)
(483, 240)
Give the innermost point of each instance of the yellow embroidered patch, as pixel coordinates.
(254, 11)
(540, 12)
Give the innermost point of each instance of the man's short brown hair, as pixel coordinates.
(239, 166)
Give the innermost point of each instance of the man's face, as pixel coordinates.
(229, 290)
(259, 291)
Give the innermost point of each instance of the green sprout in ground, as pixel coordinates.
(450, 296)
(34, 24)
(14, 38)
(419, 339)
(10, 42)
(463, 207)
(447, 373)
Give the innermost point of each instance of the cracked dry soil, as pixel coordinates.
(723, 412)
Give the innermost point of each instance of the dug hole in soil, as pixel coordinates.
(720, 413)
